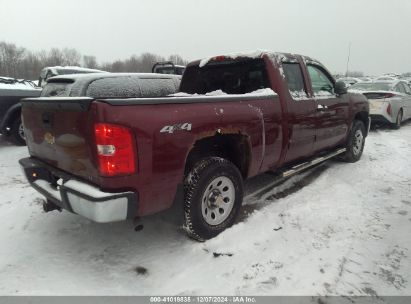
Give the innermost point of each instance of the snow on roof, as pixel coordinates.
(251, 55)
(76, 68)
(279, 56)
(15, 86)
(7, 83)
(113, 75)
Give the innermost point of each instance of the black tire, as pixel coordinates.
(198, 184)
(16, 132)
(398, 120)
(354, 148)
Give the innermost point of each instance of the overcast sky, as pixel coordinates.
(379, 30)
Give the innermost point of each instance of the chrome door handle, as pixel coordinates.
(321, 107)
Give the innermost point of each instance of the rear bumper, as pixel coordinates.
(378, 112)
(378, 118)
(77, 196)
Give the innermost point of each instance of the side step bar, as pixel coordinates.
(306, 165)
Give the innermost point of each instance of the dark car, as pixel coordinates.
(11, 92)
(168, 67)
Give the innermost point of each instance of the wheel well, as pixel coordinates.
(11, 117)
(364, 117)
(233, 147)
(14, 115)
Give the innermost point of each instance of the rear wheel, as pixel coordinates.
(398, 120)
(17, 132)
(213, 197)
(355, 142)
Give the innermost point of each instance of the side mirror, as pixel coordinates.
(340, 88)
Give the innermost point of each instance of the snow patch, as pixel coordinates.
(220, 93)
(250, 55)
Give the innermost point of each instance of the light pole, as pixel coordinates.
(348, 59)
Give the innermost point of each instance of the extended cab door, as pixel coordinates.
(301, 114)
(332, 110)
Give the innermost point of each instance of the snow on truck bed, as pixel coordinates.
(220, 93)
(337, 229)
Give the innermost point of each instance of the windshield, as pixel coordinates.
(373, 86)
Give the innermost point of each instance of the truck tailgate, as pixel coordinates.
(59, 132)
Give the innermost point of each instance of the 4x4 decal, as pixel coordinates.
(171, 129)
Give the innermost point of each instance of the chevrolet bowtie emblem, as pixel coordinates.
(49, 138)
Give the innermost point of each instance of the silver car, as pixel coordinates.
(390, 102)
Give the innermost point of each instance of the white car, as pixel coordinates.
(386, 78)
(390, 102)
(349, 81)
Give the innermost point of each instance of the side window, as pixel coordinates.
(401, 88)
(322, 84)
(295, 79)
(398, 88)
(114, 87)
(407, 89)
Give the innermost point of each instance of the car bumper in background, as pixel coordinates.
(79, 197)
(378, 112)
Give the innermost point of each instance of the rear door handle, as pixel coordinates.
(321, 107)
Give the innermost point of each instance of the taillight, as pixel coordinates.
(389, 109)
(115, 149)
(219, 58)
(389, 95)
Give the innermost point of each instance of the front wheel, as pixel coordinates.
(213, 197)
(355, 142)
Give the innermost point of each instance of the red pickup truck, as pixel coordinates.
(111, 159)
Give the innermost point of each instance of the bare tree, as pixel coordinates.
(176, 59)
(148, 60)
(90, 62)
(10, 58)
(71, 57)
(20, 63)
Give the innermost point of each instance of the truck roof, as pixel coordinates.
(281, 56)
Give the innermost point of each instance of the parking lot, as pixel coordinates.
(336, 229)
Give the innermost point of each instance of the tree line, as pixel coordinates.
(19, 62)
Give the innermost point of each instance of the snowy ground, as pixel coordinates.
(338, 229)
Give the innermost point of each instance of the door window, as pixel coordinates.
(400, 88)
(295, 80)
(407, 89)
(321, 82)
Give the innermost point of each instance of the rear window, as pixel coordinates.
(372, 86)
(129, 87)
(230, 76)
(118, 87)
(57, 89)
(157, 87)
